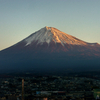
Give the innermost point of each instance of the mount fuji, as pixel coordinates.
(50, 50)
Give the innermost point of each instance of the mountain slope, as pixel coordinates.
(50, 39)
(50, 49)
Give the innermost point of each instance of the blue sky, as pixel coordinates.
(20, 18)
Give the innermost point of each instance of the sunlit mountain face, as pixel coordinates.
(50, 50)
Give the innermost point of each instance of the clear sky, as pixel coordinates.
(20, 18)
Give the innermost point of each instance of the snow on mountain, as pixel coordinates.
(49, 34)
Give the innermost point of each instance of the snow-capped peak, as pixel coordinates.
(48, 34)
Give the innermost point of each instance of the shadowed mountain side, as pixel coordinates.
(48, 62)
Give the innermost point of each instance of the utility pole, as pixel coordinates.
(22, 89)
